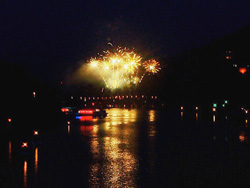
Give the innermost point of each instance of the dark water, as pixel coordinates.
(133, 148)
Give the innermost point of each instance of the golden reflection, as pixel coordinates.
(25, 173)
(36, 160)
(151, 115)
(152, 129)
(68, 129)
(181, 115)
(214, 118)
(196, 116)
(114, 144)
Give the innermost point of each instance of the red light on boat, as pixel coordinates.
(85, 111)
(36, 133)
(9, 120)
(86, 118)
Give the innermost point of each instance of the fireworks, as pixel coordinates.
(152, 66)
(122, 67)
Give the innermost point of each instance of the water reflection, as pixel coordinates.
(68, 129)
(151, 114)
(86, 130)
(10, 152)
(36, 160)
(113, 150)
(25, 173)
(214, 118)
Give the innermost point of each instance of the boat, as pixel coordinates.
(97, 112)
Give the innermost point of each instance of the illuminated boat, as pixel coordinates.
(92, 112)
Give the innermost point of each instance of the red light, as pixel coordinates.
(242, 70)
(64, 109)
(214, 109)
(85, 111)
(86, 118)
(9, 120)
(36, 133)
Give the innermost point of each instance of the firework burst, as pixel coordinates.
(152, 66)
(121, 67)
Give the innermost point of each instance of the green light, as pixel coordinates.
(214, 105)
(226, 101)
(223, 105)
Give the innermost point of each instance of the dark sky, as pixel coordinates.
(50, 37)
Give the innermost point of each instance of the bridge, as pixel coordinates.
(123, 101)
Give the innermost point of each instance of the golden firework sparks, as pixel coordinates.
(152, 66)
(121, 67)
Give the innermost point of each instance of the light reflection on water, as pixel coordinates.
(10, 152)
(25, 173)
(127, 149)
(113, 149)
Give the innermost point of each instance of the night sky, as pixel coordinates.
(50, 37)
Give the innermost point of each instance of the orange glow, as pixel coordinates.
(85, 111)
(242, 137)
(214, 109)
(24, 145)
(9, 120)
(181, 107)
(246, 111)
(242, 70)
(36, 133)
(196, 108)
